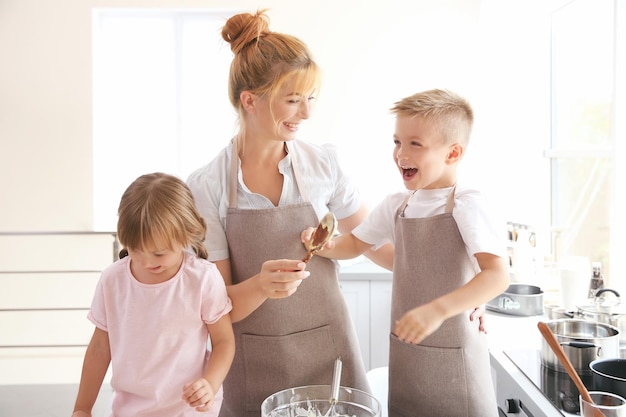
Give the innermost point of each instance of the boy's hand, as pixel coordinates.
(199, 394)
(307, 237)
(80, 413)
(479, 313)
(418, 323)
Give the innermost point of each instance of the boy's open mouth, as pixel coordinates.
(408, 173)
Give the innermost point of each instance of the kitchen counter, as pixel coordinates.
(513, 334)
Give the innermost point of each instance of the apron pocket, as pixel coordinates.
(275, 363)
(426, 381)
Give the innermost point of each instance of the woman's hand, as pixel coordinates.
(80, 413)
(281, 278)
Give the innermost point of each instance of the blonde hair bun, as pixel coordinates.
(244, 28)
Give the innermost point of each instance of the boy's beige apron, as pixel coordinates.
(448, 373)
(292, 341)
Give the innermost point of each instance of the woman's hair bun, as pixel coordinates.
(243, 28)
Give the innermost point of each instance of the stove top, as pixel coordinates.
(556, 386)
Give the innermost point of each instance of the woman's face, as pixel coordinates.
(280, 118)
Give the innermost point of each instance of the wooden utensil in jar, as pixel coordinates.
(565, 362)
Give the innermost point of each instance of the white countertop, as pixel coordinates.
(512, 333)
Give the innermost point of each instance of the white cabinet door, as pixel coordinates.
(380, 315)
(357, 296)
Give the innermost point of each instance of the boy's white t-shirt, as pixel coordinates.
(482, 231)
(158, 335)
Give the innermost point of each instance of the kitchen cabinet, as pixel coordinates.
(48, 281)
(367, 291)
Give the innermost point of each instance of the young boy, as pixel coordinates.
(448, 259)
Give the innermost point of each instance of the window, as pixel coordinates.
(160, 97)
(583, 130)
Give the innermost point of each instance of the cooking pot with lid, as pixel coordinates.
(606, 309)
(582, 341)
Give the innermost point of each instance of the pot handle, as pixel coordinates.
(599, 302)
(579, 345)
(603, 290)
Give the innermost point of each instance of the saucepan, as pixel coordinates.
(609, 375)
(518, 300)
(583, 342)
(606, 308)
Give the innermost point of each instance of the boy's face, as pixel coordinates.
(422, 158)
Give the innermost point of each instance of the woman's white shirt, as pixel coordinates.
(324, 185)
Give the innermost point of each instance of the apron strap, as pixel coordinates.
(234, 171)
(449, 202)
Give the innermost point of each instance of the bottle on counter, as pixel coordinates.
(597, 279)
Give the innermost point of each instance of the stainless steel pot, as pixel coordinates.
(607, 310)
(583, 342)
(518, 300)
(609, 375)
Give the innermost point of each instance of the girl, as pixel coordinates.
(155, 308)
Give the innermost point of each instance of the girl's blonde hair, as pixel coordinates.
(449, 112)
(264, 61)
(160, 208)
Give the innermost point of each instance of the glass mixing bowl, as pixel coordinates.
(313, 401)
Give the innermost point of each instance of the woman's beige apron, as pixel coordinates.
(448, 374)
(292, 341)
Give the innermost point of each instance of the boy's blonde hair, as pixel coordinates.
(160, 208)
(448, 111)
(265, 61)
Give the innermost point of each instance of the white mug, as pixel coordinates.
(575, 273)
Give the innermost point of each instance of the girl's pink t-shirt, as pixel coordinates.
(158, 335)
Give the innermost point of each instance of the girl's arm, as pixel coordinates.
(201, 393)
(222, 352)
(95, 365)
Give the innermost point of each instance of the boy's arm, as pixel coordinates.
(345, 246)
(95, 365)
(383, 256)
(423, 320)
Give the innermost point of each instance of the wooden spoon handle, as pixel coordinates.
(564, 360)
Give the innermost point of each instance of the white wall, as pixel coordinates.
(495, 52)
(45, 92)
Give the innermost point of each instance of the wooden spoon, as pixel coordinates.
(565, 362)
(321, 236)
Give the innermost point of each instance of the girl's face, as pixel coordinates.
(422, 158)
(156, 263)
(281, 118)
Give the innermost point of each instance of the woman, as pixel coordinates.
(257, 196)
